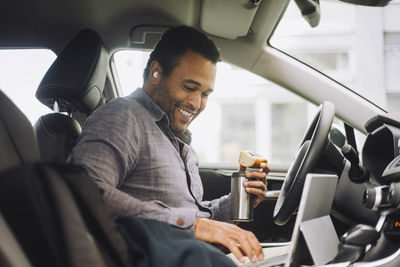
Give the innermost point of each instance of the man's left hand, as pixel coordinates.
(258, 186)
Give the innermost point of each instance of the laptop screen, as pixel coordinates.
(313, 230)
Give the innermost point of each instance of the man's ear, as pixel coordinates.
(155, 72)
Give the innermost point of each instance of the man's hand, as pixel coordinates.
(257, 187)
(240, 242)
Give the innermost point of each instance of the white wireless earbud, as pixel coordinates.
(155, 74)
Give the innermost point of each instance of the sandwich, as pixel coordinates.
(251, 160)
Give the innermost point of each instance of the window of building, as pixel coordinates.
(392, 70)
(356, 45)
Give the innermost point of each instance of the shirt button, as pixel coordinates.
(180, 221)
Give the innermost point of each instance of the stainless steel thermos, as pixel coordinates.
(242, 202)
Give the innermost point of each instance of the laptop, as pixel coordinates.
(313, 230)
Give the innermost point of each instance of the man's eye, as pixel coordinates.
(190, 88)
(205, 95)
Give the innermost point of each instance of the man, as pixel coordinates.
(137, 148)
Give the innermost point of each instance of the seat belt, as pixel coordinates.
(201, 207)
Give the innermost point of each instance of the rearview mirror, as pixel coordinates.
(310, 10)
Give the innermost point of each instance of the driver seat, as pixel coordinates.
(73, 85)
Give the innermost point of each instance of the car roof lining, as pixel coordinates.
(52, 24)
(25, 23)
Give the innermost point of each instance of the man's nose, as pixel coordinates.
(195, 101)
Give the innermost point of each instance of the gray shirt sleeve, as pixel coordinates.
(108, 156)
(220, 207)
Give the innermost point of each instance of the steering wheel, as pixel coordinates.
(311, 148)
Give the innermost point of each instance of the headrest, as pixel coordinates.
(76, 78)
(18, 143)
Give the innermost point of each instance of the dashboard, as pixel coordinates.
(368, 196)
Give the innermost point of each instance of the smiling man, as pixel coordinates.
(137, 148)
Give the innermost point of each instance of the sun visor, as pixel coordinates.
(227, 18)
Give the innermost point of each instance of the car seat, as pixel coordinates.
(14, 125)
(17, 141)
(11, 253)
(74, 83)
(54, 211)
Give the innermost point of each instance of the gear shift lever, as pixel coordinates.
(353, 242)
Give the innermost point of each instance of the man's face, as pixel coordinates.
(184, 93)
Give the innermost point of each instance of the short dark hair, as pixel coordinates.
(175, 42)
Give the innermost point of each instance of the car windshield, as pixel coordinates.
(357, 46)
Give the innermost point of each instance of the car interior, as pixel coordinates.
(314, 128)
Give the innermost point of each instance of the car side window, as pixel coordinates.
(245, 112)
(21, 71)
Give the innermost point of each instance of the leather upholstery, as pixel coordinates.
(76, 81)
(17, 142)
(50, 214)
(57, 135)
(76, 78)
